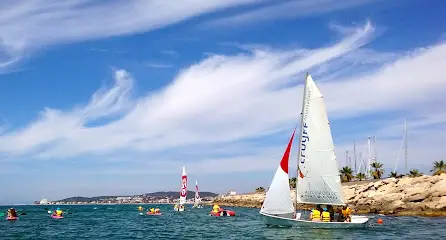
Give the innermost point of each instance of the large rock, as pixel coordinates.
(421, 196)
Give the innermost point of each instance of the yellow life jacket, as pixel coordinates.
(325, 217)
(346, 212)
(58, 212)
(216, 208)
(315, 214)
(152, 210)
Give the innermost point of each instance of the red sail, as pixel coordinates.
(286, 156)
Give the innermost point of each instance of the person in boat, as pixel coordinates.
(331, 211)
(181, 207)
(325, 215)
(315, 215)
(12, 213)
(216, 208)
(152, 210)
(347, 213)
(175, 207)
(157, 210)
(58, 212)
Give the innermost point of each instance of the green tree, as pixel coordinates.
(415, 173)
(260, 189)
(393, 174)
(360, 176)
(292, 182)
(346, 174)
(378, 172)
(439, 168)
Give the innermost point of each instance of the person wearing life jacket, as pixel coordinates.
(152, 210)
(12, 213)
(325, 215)
(140, 208)
(315, 215)
(347, 213)
(58, 212)
(216, 208)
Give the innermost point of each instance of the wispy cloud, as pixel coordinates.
(27, 25)
(286, 10)
(106, 50)
(224, 100)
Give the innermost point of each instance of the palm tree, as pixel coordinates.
(292, 182)
(346, 174)
(260, 189)
(378, 172)
(439, 167)
(415, 173)
(393, 174)
(360, 176)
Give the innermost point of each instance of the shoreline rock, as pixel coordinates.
(419, 196)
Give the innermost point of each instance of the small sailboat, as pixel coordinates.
(183, 192)
(318, 180)
(197, 202)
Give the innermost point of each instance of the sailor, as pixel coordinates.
(315, 215)
(325, 215)
(152, 210)
(157, 210)
(58, 212)
(12, 213)
(347, 213)
(216, 208)
(175, 207)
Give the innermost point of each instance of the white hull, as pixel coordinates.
(271, 220)
(179, 209)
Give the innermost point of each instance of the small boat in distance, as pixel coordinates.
(183, 192)
(197, 201)
(318, 180)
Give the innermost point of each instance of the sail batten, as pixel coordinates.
(318, 181)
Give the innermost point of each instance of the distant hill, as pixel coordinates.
(170, 194)
(87, 199)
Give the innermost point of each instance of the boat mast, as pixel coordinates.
(369, 159)
(300, 138)
(346, 158)
(405, 145)
(374, 149)
(354, 153)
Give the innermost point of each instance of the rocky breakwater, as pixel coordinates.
(419, 196)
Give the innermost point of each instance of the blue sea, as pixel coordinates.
(125, 222)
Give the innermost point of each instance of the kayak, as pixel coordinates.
(12, 218)
(56, 217)
(224, 213)
(154, 214)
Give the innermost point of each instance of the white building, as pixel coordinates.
(232, 193)
(44, 201)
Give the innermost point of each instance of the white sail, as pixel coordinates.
(183, 192)
(318, 180)
(278, 200)
(197, 202)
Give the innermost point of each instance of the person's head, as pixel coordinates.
(344, 207)
(57, 208)
(325, 209)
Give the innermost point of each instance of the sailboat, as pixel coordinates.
(197, 202)
(318, 180)
(183, 192)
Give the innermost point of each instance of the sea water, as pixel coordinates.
(125, 222)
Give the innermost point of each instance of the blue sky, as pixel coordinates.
(114, 97)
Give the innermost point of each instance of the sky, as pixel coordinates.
(114, 97)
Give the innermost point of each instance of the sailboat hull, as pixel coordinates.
(271, 220)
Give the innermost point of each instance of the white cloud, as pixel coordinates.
(31, 24)
(223, 100)
(286, 10)
(157, 65)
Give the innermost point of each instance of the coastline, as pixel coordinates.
(419, 196)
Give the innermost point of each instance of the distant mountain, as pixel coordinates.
(170, 194)
(87, 199)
